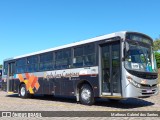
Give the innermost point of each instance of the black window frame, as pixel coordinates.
(44, 63)
(45, 55)
(32, 59)
(63, 62)
(83, 56)
(5, 68)
(21, 65)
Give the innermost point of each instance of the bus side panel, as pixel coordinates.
(4, 85)
(46, 87)
(41, 89)
(57, 90)
(14, 85)
(11, 85)
(67, 87)
(58, 86)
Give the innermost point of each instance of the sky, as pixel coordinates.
(28, 26)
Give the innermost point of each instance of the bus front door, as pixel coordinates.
(10, 81)
(110, 69)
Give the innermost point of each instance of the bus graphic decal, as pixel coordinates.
(31, 82)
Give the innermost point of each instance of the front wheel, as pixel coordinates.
(86, 95)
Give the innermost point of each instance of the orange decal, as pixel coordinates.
(27, 86)
(34, 82)
(27, 75)
(20, 77)
(31, 82)
(37, 85)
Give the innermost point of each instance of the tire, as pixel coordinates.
(86, 95)
(22, 92)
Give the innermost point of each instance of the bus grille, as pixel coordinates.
(148, 89)
(144, 92)
(143, 86)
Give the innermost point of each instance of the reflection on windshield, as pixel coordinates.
(139, 58)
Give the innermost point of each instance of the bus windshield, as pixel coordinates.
(139, 57)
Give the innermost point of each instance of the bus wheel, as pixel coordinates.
(23, 93)
(86, 95)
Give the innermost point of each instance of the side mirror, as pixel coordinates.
(126, 46)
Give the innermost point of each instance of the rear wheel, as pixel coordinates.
(23, 92)
(86, 95)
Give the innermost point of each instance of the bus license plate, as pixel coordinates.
(149, 91)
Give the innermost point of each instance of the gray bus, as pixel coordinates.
(116, 66)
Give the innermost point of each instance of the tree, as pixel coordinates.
(156, 45)
(157, 56)
(0, 66)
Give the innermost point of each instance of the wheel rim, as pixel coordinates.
(23, 91)
(86, 94)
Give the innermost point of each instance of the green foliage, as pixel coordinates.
(157, 55)
(156, 45)
(0, 66)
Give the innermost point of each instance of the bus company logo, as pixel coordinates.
(143, 81)
(30, 81)
(6, 114)
(64, 74)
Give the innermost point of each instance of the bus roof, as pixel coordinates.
(107, 36)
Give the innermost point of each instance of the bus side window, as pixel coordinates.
(89, 54)
(89, 60)
(78, 57)
(58, 59)
(32, 64)
(63, 59)
(78, 61)
(66, 58)
(21, 65)
(46, 61)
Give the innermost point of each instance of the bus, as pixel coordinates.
(115, 66)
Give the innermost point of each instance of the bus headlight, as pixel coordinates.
(133, 82)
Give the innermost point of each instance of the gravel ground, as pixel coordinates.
(11, 102)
